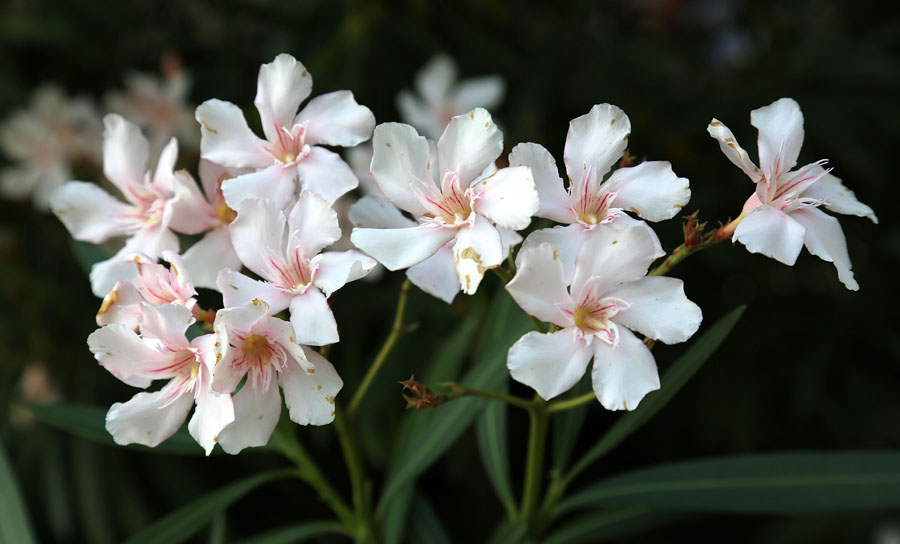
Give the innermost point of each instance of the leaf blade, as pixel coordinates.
(492, 445)
(15, 526)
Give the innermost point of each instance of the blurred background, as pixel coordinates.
(811, 366)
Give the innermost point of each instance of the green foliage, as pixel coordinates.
(294, 534)
(492, 443)
(424, 524)
(14, 525)
(602, 525)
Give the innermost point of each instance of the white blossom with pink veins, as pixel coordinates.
(783, 214)
(595, 142)
(610, 296)
(251, 343)
(162, 352)
(286, 252)
(154, 204)
(459, 210)
(291, 150)
(155, 284)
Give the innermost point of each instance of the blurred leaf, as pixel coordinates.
(567, 426)
(604, 525)
(492, 443)
(424, 436)
(87, 254)
(396, 516)
(14, 525)
(295, 534)
(217, 530)
(424, 525)
(762, 483)
(672, 381)
(509, 533)
(183, 523)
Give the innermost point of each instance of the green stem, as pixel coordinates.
(396, 331)
(684, 251)
(460, 391)
(357, 475)
(568, 404)
(534, 464)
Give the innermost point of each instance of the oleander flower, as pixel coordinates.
(459, 207)
(595, 142)
(783, 214)
(286, 252)
(609, 297)
(292, 148)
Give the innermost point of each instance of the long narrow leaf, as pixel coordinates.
(567, 426)
(295, 534)
(605, 525)
(763, 483)
(424, 524)
(492, 438)
(396, 516)
(183, 523)
(672, 381)
(14, 525)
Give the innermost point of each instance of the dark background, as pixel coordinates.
(811, 365)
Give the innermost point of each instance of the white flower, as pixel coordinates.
(162, 352)
(290, 150)
(609, 295)
(155, 203)
(456, 206)
(251, 343)
(782, 215)
(286, 253)
(44, 141)
(442, 98)
(595, 142)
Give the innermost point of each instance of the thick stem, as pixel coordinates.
(568, 404)
(460, 391)
(534, 464)
(396, 331)
(361, 503)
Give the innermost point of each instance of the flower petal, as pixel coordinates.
(651, 190)
(148, 418)
(838, 198)
(780, 127)
(548, 363)
(281, 86)
(166, 323)
(402, 248)
(209, 255)
(214, 412)
(312, 224)
(313, 322)
(507, 197)
(374, 212)
(89, 213)
(539, 286)
(336, 119)
(325, 173)
(554, 200)
(565, 239)
(418, 113)
(165, 167)
(256, 414)
(258, 237)
(151, 241)
(125, 154)
(436, 275)
(191, 213)
(238, 290)
(275, 183)
(337, 268)
(226, 139)
(400, 165)
(771, 232)
(825, 239)
(477, 249)
(121, 305)
(309, 396)
(469, 144)
(595, 142)
(609, 257)
(121, 351)
(435, 79)
(486, 92)
(733, 150)
(658, 309)
(624, 374)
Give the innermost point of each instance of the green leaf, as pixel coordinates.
(183, 523)
(424, 525)
(567, 426)
(600, 526)
(762, 483)
(294, 534)
(424, 436)
(510, 533)
(89, 422)
(14, 525)
(671, 382)
(492, 439)
(396, 516)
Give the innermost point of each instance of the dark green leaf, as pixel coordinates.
(671, 382)
(183, 523)
(492, 439)
(396, 516)
(14, 525)
(424, 525)
(294, 534)
(510, 533)
(567, 426)
(600, 526)
(762, 483)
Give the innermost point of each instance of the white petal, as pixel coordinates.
(255, 417)
(166, 323)
(658, 309)
(151, 241)
(486, 92)
(209, 255)
(772, 233)
(121, 351)
(312, 224)
(469, 144)
(507, 197)
(624, 221)
(336, 119)
(565, 239)
(435, 79)
(281, 86)
(275, 183)
(539, 286)
(337, 268)
(780, 127)
(651, 190)
(624, 374)
(477, 249)
(147, 418)
(258, 236)
(838, 198)
(325, 173)
(121, 305)
(89, 213)
(226, 139)
(310, 396)
(436, 275)
(825, 239)
(402, 248)
(214, 412)
(418, 113)
(548, 363)
(733, 150)
(508, 240)
(165, 167)
(191, 213)
(313, 322)
(554, 200)
(230, 322)
(374, 212)
(125, 154)
(400, 164)
(238, 290)
(613, 257)
(596, 141)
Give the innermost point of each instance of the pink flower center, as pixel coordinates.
(593, 317)
(259, 357)
(453, 205)
(289, 145)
